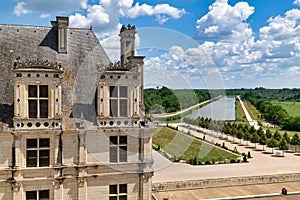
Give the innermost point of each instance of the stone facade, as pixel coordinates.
(72, 123)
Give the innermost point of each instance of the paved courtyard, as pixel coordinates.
(236, 192)
(262, 163)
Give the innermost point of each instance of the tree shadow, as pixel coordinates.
(234, 142)
(266, 152)
(259, 150)
(289, 151)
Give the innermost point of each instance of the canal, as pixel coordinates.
(222, 109)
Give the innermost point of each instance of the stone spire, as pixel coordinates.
(127, 35)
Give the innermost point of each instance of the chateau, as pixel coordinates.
(72, 123)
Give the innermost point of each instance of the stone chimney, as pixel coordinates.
(62, 24)
(127, 35)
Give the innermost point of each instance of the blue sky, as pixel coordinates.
(188, 44)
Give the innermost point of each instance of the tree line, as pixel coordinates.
(285, 94)
(247, 133)
(165, 100)
(273, 113)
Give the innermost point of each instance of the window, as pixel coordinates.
(118, 192)
(37, 195)
(37, 152)
(38, 101)
(118, 101)
(118, 149)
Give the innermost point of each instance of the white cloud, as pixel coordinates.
(160, 9)
(225, 22)
(105, 16)
(281, 28)
(20, 9)
(297, 2)
(162, 19)
(241, 61)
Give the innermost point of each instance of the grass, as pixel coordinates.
(290, 133)
(186, 148)
(239, 113)
(252, 110)
(292, 108)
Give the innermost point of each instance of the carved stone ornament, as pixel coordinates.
(147, 176)
(56, 183)
(37, 64)
(129, 27)
(15, 186)
(81, 181)
(117, 66)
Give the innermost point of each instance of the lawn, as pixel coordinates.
(252, 110)
(239, 112)
(293, 108)
(290, 133)
(186, 148)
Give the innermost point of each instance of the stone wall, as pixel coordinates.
(222, 182)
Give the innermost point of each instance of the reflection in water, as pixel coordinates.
(222, 109)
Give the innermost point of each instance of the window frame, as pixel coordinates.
(120, 99)
(38, 195)
(38, 99)
(38, 149)
(118, 151)
(118, 195)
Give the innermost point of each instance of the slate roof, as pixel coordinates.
(85, 56)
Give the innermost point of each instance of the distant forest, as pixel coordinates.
(165, 100)
(284, 94)
(261, 98)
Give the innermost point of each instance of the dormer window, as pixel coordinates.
(38, 101)
(118, 101)
(37, 94)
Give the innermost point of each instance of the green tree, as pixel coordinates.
(260, 131)
(272, 143)
(252, 130)
(268, 133)
(255, 139)
(240, 135)
(286, 137)
(263, 140)
(283, 145)
(247, 136)
(277, 136)
(295, 140)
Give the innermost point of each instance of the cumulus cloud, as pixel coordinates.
(240, 61)
(297, 2)
(224, 21)
(157, 10)
(184, 68)
(281, 28)
(20, 9)
(106, 15)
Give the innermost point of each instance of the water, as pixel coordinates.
(222, 109)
